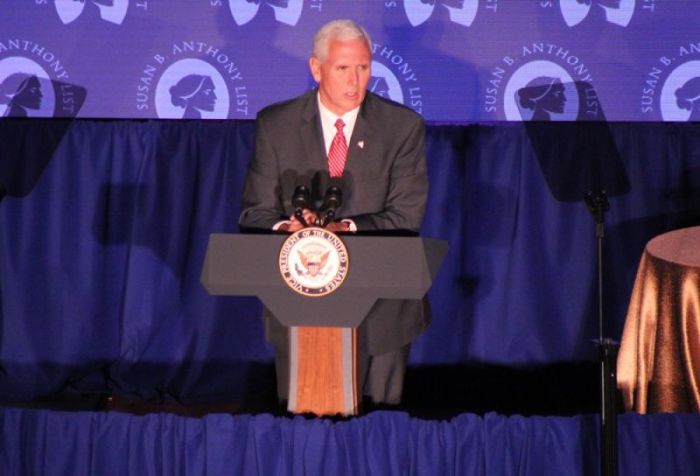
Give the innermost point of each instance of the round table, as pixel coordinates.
(658, 367)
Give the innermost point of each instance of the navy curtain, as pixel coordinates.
(382, 443)
(104, 227)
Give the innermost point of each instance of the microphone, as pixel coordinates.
(300, 201)
(331, 202)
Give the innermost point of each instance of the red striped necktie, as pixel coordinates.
(338, 152)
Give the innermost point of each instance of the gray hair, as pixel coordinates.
(342, 30)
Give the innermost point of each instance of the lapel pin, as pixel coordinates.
(361, 144)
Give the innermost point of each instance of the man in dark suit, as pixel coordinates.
(383, 181)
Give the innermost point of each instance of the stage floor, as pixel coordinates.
(430, 392)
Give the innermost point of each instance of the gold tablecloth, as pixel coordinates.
(658, 366)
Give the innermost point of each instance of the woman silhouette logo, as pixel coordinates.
(384, 83)
(679, 99)
(19, 92)
(618, 12)
(192, 89)
(461, 12)
(113, 11)
(688, 98)
(285, 11)
(541, 90)
(543, 95)
(379, 86)
(195, 93)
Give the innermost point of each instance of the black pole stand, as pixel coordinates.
(607, 348)
(2, 195)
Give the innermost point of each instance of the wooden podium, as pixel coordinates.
(380, 267)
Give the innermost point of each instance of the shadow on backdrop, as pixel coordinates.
(23, 160)
(575, 157)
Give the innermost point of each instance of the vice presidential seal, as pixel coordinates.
(313, 262)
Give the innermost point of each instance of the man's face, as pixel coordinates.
(343, 76)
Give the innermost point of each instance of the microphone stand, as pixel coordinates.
(300, 216)
(331, 203)
(607, 351)
(325, 218)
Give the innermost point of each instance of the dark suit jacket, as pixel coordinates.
(384, 187)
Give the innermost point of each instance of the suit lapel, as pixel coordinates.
(312, 134)
(362, 137)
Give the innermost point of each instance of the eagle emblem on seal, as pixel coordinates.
(312, 263)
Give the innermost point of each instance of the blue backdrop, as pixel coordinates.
(450, 60)
(105, 224)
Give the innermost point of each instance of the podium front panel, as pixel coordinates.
(379, 268)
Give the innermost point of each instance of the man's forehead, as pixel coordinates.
(353, 43)
(344, 49)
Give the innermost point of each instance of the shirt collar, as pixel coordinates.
(328, 118)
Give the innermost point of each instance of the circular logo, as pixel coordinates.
(313, 262)
(25, 89)
(394, 78)
(34, 82)
(384, 83)
(538, 90)
(545, 82)
(680, 93)
(196, 80)
(671, 88)
(188, 88)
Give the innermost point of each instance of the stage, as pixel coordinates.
(111, 344)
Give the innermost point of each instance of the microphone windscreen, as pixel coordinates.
(334, 197)
(300, 199)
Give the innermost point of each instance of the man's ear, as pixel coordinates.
(315, 67)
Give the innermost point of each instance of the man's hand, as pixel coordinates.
(338, 226)
(296, 225)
